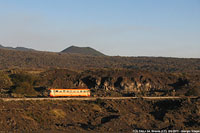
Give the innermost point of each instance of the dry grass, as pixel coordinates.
(96, 108)
(58, 113)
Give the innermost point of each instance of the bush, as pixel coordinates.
(193, 92)
(99, 101)
(22, 77)
(5, 81)
(23, 84)
(26, 89)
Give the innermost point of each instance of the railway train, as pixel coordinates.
(68, 92)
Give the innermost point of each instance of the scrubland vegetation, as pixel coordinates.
(99, 116)
(30, 74)
(32, 59)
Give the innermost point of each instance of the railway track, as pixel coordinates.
(93, 98)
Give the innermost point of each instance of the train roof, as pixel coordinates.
(68, 89)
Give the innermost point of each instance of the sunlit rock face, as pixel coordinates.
(117, 83)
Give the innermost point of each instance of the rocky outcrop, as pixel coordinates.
(136, 82)
(119, 82)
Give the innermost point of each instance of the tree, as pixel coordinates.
(23, 84)
(5, 81)
(26, 89)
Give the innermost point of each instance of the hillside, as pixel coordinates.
(99, 116)
(36, 59)
(82, 50)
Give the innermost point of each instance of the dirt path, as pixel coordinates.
(92, 98)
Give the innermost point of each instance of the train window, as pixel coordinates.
(80, 91)
(56, 90)
(63, 90)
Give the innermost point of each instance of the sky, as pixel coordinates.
(168, 28)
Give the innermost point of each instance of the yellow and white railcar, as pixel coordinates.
(68, 92)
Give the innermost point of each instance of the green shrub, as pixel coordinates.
(23, 84)
(22, 77)
(5, 81)
(26, 89)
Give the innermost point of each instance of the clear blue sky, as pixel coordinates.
(115, 27)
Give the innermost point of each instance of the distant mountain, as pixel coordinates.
(24, 49)
(1, 46)
(82, 50)
(17, 48)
